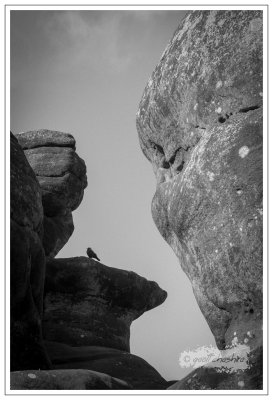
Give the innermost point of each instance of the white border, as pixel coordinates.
(213, 6)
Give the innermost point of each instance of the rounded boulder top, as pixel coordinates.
(44, 138)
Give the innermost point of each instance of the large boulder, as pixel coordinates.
(87, 303)
(125, 366)
(61, 174)
(77, 379)
(27, 264)
(200, 125)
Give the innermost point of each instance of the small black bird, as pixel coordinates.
(92, 254)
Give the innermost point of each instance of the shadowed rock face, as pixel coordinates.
(87, 303)
(200, 125)
(62, 176)
(72, 379)
(120, 364)
(27, 264)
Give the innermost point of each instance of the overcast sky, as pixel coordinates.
(84, 72)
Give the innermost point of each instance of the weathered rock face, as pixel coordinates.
(128, 367)
(200, 125)
(57, 231)
(27, 264)
(87, 303)
(62, 176)
(72, 379)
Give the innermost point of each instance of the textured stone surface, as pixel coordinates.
(27, 264)
(57, 232)
(62, 176)
(205, 378)
(73, 379)
(88, 303)
(200, 125)
(211, 69)
(123, 365)
(46, 137)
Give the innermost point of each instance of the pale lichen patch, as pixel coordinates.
(211, 19)
(211, 176)
(32, 376)
(256, 24)
(234, 341)
(243, 151)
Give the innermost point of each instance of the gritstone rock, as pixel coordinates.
(27, 264)
(200, 125)
(61, 174)
(88, 303)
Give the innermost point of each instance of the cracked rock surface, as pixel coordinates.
(200, 125)
(61, 174)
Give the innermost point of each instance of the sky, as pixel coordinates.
(84, 72)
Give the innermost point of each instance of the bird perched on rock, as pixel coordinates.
(92, 254)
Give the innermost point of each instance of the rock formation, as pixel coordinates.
(200, 125)
(88, 311)
(87, 303)
(72, 379)
(122, 365)
(61, 174)
(27, 264)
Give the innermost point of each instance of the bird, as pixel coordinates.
(92, 254)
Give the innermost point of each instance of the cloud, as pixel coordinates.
(99, 42)
(88, 38)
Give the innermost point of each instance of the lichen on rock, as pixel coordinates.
(200, 125)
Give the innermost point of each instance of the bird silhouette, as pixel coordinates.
(92, 254)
